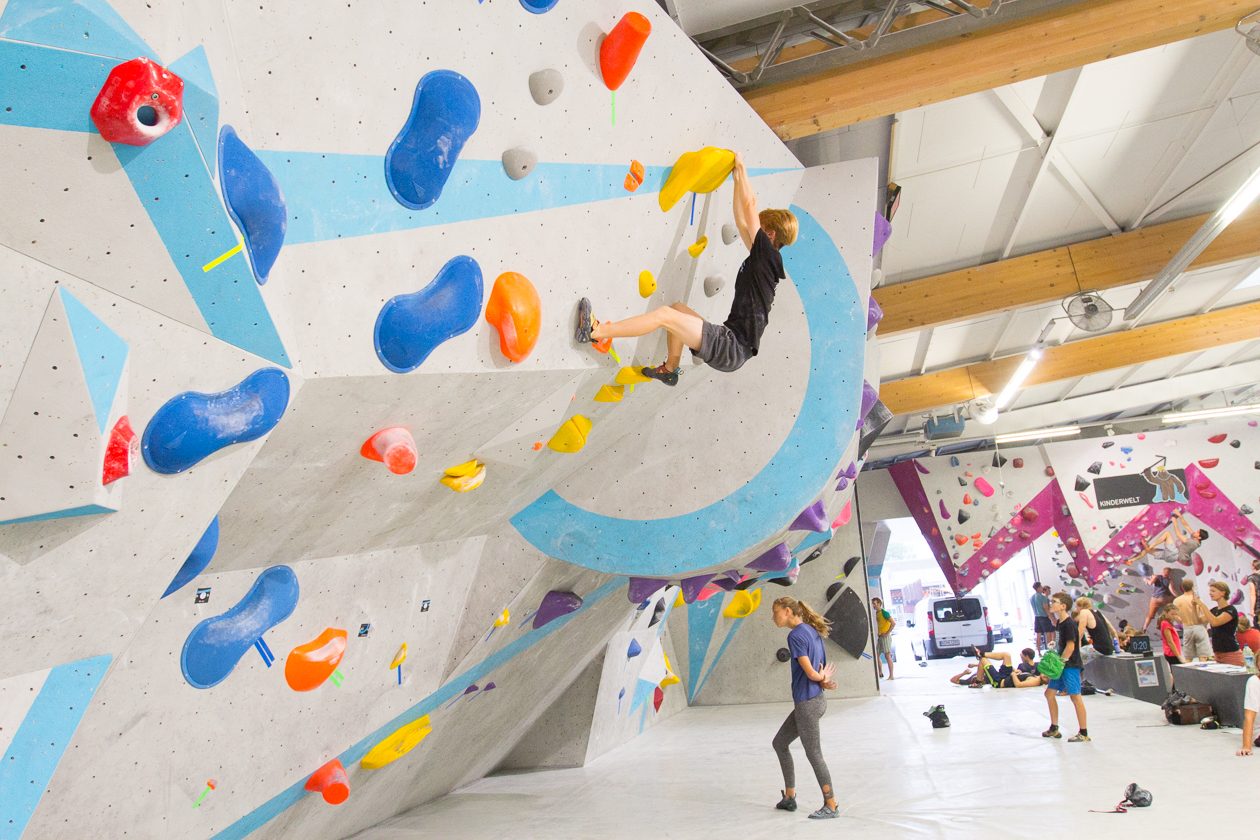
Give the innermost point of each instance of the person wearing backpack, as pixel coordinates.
(1069, 681)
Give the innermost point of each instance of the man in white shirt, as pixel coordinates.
(1251, 705)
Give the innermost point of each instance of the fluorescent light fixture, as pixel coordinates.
(1007, 394)
(1036, 434)
(1250, 281)
(1208, 413)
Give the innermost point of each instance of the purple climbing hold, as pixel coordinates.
(813, 518)
(851, 471)
(944, 510)
(870, 394)
(634, 650)
(919, 468)
(691, 586)
(776, 559)
(883, 230)
(842, 484)
(643, 588)
(727, 580)
(874, 313)
(554, 605)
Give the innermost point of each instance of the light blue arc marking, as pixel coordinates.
(453, 688)
(102, 355)
(333, 196)
(42, 738)
(714, 534)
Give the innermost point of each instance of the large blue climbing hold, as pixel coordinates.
(410, 327)
(214, 646)
(444, 114)
(254, 200)
(198, 558)
(539, 6)
(192, 426)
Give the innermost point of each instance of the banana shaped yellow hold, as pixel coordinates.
(466, 476)
(697, 249)
(571, 436)
(701, 171)
(397, 744)
(631, 376)
(743, 603)
(610, 393)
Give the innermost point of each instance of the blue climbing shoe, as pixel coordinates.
(824, 813)
(662, 374)
(787, 803)
(585, 323)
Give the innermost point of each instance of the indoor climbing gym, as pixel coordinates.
(622, 419)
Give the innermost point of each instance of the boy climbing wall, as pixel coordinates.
(725, 346)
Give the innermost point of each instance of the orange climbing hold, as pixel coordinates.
(516, 312)
(309, 665)
(634, 178)
(394, 447)
(331, 781)
(621, 48)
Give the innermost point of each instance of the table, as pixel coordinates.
(1223, 690)
(1121, 674)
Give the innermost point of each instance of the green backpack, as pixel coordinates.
(1051, 665)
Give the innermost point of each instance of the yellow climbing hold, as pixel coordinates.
(402, 741)
(647, 284)
(631, 376)
(504, 619)
(701, 171)
(670, 677)
(698, 248)
(399, 658)
(571, 436)
(743, 603)
(466, 476)
(610, 393)
(680, 601)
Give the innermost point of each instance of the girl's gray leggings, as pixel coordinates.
(803, 724)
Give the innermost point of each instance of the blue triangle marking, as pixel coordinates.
(701, 619)
(642, 691)
(201, 103)
(85, 26)
(730, 634)
(102, 355)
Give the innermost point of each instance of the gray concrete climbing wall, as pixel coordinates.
(205, 586)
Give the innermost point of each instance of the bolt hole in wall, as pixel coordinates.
(147, 115)
(910, 579)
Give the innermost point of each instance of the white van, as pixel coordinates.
(956, 625)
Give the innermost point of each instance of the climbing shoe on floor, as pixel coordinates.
(662, 374)
(1052, 732)
(582, 331)
(787, 803)
(824, 813)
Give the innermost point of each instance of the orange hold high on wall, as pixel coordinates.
(620, 49)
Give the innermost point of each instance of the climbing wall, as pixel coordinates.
(311, 509)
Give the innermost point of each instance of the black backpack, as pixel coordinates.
(1134, 797)
(937, 715)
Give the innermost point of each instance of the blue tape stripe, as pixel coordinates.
(701, 621)
(336, 196)
(730, 634)
(454, 687)
(84, 510)
(40, 741)
(676, 545)
(89, 26)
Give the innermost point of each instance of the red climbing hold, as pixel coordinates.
(620, 49)
(1217, 438)
(331, 781)
(394, 447)
(139, 102)
(122, 447)
(658, 697)
(1208, 463)
(1072, 570)
(516, 312)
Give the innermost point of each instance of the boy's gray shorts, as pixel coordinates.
(720, 349)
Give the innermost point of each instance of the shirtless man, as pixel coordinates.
(1194, 621)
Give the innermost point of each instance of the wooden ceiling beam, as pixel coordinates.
(1006, 53)
(1049, 276)
(1079, 358)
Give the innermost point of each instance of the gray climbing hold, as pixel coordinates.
(729, 233)
(713, 285)
(546, 86)
(518, 163)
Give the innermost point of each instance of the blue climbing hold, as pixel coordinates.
(444, 114)
(254, 200)
(539, 6)
(192, 426)
(410, 327)
(198, 558)
(214, 646)
(634, 650)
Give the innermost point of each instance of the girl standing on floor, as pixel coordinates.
(811, 675)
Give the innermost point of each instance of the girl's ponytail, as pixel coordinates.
(803, 611)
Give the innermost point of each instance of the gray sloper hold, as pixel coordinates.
(546, 86)
(713, 285)
(729, 233)
(518, 163)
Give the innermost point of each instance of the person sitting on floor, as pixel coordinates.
(1002, 675)
(1248, 636)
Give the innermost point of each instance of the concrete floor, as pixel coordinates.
(710, 771)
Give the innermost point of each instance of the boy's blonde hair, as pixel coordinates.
(783, 223)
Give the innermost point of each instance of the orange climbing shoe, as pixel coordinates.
(662, 374)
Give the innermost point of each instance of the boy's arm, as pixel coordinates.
(745, 205)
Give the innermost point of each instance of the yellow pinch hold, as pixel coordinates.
(743, 603)
(701, 171)
(504, 619)
(399, 658)
(647, 284)
(466, 468)
(698, 248)
(397, 744)
(631, 376)
(467, 476)
(610, 393)
(670, 679)
(680, 601)
(571, 436)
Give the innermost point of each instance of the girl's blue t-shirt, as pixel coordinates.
(805, 641)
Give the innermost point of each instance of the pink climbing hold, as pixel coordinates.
(1198, 565)
(1072, 570)
(985, 488)
(122, 447)
(1029, 514)
(846, 513)
(394, 447)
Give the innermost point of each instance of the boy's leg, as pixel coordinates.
(1078, 703)
(686, 326)
(1053, 703)
(675, 342)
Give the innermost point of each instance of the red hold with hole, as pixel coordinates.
(139, 102)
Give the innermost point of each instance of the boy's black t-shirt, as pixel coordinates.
(754, 292)
(1224, 638)
(1068, 633)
